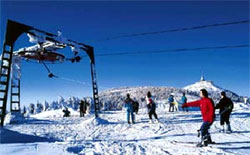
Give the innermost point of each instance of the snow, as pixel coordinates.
(54, 113)
(208, 85)
(213, 90)
(50, 133)
(14, 118)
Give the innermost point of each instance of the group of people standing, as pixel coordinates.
(83, 106)
(133, 106)
(207, 108)
(173, 105)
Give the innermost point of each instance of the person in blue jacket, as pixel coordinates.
(184, 100)
(129, 109)
(171, 103)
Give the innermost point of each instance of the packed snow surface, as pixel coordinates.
(208, 85)
(50, 133)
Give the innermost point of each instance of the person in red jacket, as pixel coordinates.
(207, 110)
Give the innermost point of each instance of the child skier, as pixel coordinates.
(151, 107)
(207, 110)
(129, 109)
(226, 106)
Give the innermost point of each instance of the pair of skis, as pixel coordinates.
(194, 144)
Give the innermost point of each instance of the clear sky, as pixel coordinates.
(87, 21)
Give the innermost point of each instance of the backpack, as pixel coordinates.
(229, 105)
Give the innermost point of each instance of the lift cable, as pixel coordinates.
(171, 30)
(52, 75)
(163, 51)
(173, 50)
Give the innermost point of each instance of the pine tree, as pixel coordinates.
(31, 108)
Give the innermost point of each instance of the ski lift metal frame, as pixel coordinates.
(13, 31)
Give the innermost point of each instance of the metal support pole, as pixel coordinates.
(95, 89)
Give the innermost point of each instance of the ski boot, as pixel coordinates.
(151, 121)
(204, 142)
(209, 140)
(199, 133)
(222, 129)
(229, 130)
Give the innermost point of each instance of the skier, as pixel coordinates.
(207, 110)
(184, 100)
(171, 103)
(151, 107)
(66, 112)
(176, 105)
(136, 106)
(129, 109)
(83, 107)
(226, 106)
(245, 99)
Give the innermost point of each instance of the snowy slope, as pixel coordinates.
(208, 85)
(113, 99)
(110, 134)
(213, 90)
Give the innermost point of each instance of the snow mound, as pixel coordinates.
(54, 114)
(241, 106)
(14, 118)
(95, 121)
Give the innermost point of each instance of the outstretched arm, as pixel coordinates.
(192, 104)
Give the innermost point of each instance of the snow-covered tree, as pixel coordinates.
(39, 107)
(46, 106)
(31, 108)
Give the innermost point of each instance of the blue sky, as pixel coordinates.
(88, 21)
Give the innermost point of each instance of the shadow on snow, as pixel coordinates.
(11, 137)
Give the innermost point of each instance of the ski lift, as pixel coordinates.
(44, 51)
(47, 56)
(75, 59)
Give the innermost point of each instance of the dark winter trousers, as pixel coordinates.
(204, 130)
(152, 112)
(130, 113)
(224, 117)
(136, 110)
(171, 107)
(82, 113)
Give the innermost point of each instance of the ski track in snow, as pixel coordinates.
(110, 134)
